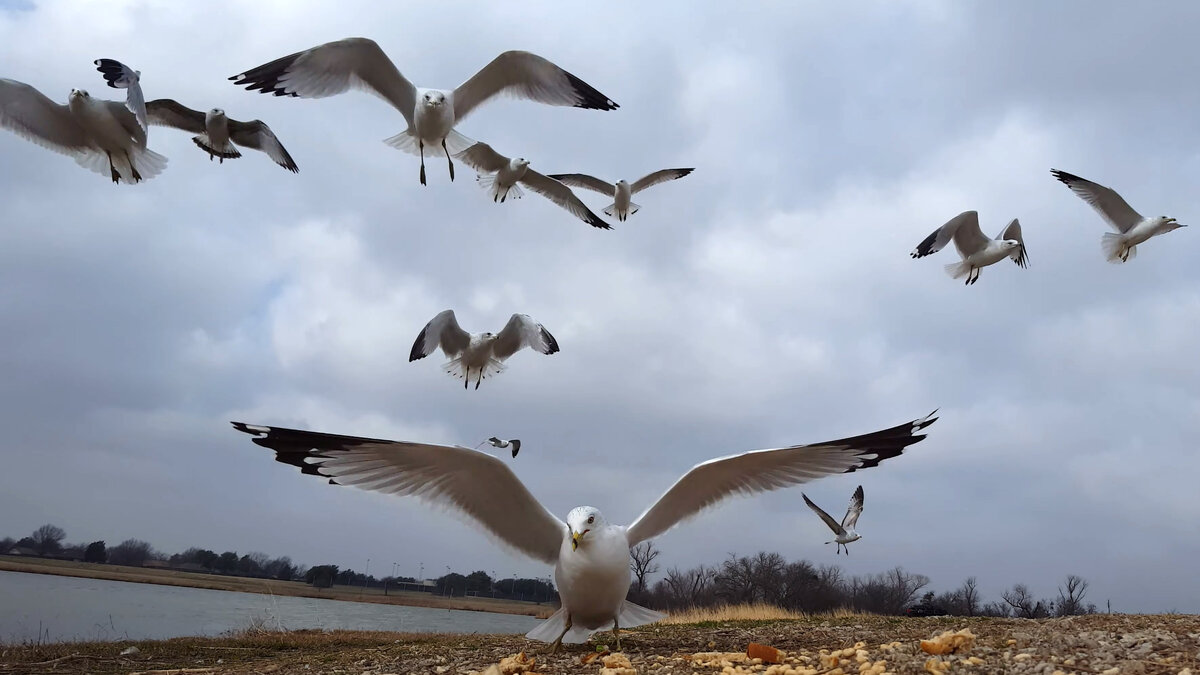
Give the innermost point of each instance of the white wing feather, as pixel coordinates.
(527, 76)
(522, 331)
(764, 470)
(442, 330)
(1115, 210)
(471, 483)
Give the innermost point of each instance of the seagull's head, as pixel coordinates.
(433, 98)
(214, 114)
(1010, 245)
(580, 521)
(519, 163)
(622, 183)
(79, 94)
(1171, 224)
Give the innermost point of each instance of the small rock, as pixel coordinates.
(130, 651)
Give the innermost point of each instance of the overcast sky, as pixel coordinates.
(767, 299)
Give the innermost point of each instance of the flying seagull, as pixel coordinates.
(217, 133)
(482, 353)
(623, 191)
(499, 175)
(590, 555)
(977, 250)
(1131, 228)
(501, 443)
(101, 136)
(844, 531)
(432, 114)
(120, 76)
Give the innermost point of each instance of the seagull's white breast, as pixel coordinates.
(593, 579)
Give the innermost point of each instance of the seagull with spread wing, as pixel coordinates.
(501, 443)
(499, 175)
(481, 353)
(1131, 227)
(622, 192)
(217, 134)
(976, 248)
(844, 531)
(590, 555)
(101, 136)
(336, 67)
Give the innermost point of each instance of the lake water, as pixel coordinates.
(58, 609)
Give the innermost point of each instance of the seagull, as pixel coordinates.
(218, 133)
(101, 136)
(483, 353)
(623, 191)
(432, 114)
(1131, 228)
(501, 443)
(590, 555)
(976, 249)
(499, 175)
(120, 76)
(845, 530)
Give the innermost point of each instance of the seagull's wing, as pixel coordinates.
(938, 239)
(443, 330)
(516, 446)
(854, 510)
(661, 176)
(561, 194)
(170, 113)
(120, 76)
(483, 158)
(522, 331)
(334, 68)
(28, 113)
(474, 484)
(763, 470)
(833, 524)
(582, 180)
(1013, 231)
(1119, 214)
(529, 76)
(968, 237)
(256, 134)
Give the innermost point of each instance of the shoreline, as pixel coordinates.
(217, 582)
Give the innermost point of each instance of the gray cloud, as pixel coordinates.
(766, 299)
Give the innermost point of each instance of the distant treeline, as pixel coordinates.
(762, 578)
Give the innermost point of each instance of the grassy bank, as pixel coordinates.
(215, 582)
(1092, 644)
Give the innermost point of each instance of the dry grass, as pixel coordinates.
(747, 612)
(143, 575)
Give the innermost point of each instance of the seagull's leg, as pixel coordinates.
(558, 642)
(116, 177)
(136, 176)
(466, 377)
(479, 379)
(421, 146)
(617, 633)
(448, 160)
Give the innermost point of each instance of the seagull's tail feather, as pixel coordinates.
(406, 141)
(958, 270)
(548, 630)
(224, 151)
(145, 161)
(495, 191)
(612, 212)
(1115, 250)
(455, 368)
(635, 615)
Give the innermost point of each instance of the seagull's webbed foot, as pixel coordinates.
(112, 169)
(448, 159)
(421, 145)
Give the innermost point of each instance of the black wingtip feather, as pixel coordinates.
(416, 352)
(293, 446)
(265, 78)
(1064, 177)
(926, 246)
(589, 97)
(551, 344)
(886, 444)
(111, 69)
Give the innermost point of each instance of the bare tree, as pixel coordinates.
(642, 563)
(1023, 604)
(968, 596)
(1070, 599)
(689, 589)
(132, 552)
(48, 539)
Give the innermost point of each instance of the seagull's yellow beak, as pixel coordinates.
(575, 537)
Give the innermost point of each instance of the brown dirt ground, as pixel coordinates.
(1091, 644)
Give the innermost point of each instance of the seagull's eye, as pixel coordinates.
(591, 519)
